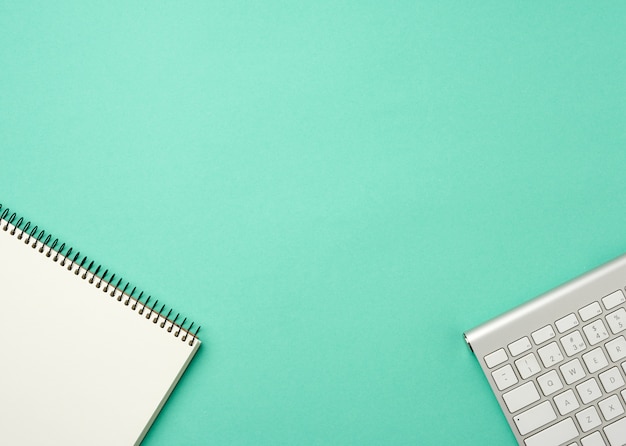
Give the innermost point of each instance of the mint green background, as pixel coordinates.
(334, 190)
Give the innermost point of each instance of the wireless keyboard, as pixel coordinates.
(557, 364)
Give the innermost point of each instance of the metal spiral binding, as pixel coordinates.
(73, 263)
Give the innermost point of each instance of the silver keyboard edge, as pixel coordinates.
(475, 336)
(540, 311)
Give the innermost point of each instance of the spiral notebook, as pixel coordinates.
(83, 360)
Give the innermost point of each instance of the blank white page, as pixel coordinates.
(77, 367)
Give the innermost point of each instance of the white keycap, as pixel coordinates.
(567, 322)
(616, 432)
(611, 407)
(616, 348)
(588, 418)
(534, 418)
(504, 377)
(594, 439)
(595, 360)
(566, 402)
(572, 371)
(520, 346)
(596, 332)
(521, 397)
(611, 379)
(573, 343)
(590, 311)
(613, 300)
(555, 435)
(543, 334)
(550, 354)
(550, 383)
(527, 366)
(496, 358)
(589, 391)
(617, 320)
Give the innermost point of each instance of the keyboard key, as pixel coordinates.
(566, 323)
(589, 391)
(555, 435)
(520, 346)
(572, 371)
(521, 397)
(543, 334)
(617, 320)
(611, 379)
(504, 377)
(596, 332)
(496, 358)
(566, 402)
(613, 300)
(611, 407)
(590, 311)
(616, 348)
(594, 439)
(534, 418)
(528, 366)
(573, 343)
(616, 432)
(595, 360)
(550, 354)
(550, 383)
(588, 418)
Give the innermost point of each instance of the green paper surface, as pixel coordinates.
(335, 191)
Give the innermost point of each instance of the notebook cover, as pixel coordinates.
(79, 365)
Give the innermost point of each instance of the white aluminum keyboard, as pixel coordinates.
(557, 364)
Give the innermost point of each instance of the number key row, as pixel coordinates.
(573, 343)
